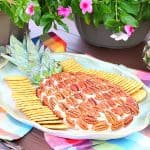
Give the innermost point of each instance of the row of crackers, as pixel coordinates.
(24, 94)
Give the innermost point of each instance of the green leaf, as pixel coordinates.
(60, 22)
(96, 21)
(87, 18)
(146, 12)
(47, 27)
(129, 7)
(45, 19)
(97, 16)
(113, 24)
(129, 20)
(105, 9)
(75, 7)
(36, 17)
(23, 16)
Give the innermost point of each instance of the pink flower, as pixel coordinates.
(30, 9)
(129, 29)
(86, 6)
(64, 11)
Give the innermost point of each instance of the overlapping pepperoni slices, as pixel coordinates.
(87, 102)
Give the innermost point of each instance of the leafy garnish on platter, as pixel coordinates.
(33, 60)
(3, 61)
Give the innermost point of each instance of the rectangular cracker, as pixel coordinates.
(56, 126)
(49, 122)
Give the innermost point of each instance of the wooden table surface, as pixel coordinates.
(131, 57)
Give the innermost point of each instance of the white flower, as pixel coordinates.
(148, 43)
(148, 53)
(120, 36)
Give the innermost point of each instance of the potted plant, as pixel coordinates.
(13, 20)
(15, 15)
(98, 21)
(126, 21)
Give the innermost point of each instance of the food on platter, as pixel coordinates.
(24, 94)
(16, 78)
(139, 95)
(33, 60)
(139, 122)
(3, 61)
(87, 102)
(78, 98)
(130, 86)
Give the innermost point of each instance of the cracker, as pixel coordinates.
(41, 116)
(71, 65)
(45, 119)
(24, 97)
(38, 111)
(15, 78)
(19, 105)
(56, 126)
(18, 81)
(20, 89)
(32, 108)
(29, 93)
(48, 122)
(116, 79)
(28, 102)
(139, 95)
(17, 86)
(43, 109)
(26, 105)
(133, 89)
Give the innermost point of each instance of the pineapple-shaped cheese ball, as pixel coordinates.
(146, 52)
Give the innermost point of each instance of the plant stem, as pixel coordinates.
(141, 12)
(116, 9)
(48, 6)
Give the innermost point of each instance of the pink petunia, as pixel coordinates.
(64, 11)
(30, 9)
(129, 29)
(86, 6)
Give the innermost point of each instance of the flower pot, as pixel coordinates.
(101, 37)
(7, 28)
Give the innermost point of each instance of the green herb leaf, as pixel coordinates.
(128, 19)
(130, 8)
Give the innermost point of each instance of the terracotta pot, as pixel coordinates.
(7, 28)
(101, 37)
